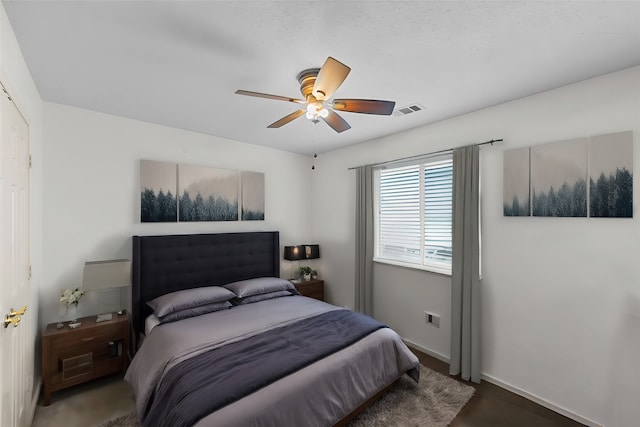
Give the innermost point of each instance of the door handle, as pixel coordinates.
(12, 320)
(14, 317)
(13, 313)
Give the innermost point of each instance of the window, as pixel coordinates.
(413, 213)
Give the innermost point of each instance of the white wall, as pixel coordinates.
(560, 296)
(92, 193)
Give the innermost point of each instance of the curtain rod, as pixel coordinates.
(435, 153)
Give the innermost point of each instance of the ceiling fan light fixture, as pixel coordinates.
(315, 110)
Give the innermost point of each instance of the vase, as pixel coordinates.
(72, 312)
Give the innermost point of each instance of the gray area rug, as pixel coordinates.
(434, 402)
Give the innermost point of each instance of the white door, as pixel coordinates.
(16, 344)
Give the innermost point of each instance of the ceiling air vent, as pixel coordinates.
(408, 110)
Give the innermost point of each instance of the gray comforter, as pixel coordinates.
(319, 395)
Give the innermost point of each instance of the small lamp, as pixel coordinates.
(311, 251)
(103, 275)
(300, 252)
(293, 253)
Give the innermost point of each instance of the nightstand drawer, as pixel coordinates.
(86, 337)
(92, 341)
(310, 288)
(313, 288)
(76, 366)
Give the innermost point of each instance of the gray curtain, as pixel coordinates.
(465, 275)
(364, 240)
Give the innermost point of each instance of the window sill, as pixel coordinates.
(431, 269)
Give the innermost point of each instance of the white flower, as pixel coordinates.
(69, 296)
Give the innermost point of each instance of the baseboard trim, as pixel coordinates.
(540, 401)
(427, 351)
(529, 396)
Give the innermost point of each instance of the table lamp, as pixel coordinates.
(104, 275)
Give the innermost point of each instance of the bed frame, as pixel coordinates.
(163, 264)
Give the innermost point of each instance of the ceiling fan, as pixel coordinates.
(317, 86)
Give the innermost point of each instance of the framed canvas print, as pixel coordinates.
(158, 190)
(559, 179)
(207, 194)
(252, 189)
(516, 182)
(611, 175)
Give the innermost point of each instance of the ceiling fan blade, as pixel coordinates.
(286, 119)
(366, 106)
(329, 78)
(268, 96)
(336, 122)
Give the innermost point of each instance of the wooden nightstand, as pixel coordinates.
(92, 350)
(313, 288)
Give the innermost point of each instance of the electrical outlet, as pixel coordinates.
(435, 320)
(432, 319)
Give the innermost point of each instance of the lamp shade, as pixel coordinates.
(293, 253)
(311, 251)
(106, 274)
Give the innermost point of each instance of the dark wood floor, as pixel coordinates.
(493, 406)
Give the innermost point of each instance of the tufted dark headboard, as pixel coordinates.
(163, 264)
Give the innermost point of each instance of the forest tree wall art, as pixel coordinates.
(158, 190)
(252, 196)
(559, 179)
(576, 178)
(207, 194)
(611, 175)
(170, 192)
(516, 186)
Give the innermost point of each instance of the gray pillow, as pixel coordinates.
(189, 298)
(260, 285)
(195, 311)
(261, 297)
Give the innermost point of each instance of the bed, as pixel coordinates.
(259, 354)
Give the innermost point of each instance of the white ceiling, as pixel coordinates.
(178, 63)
